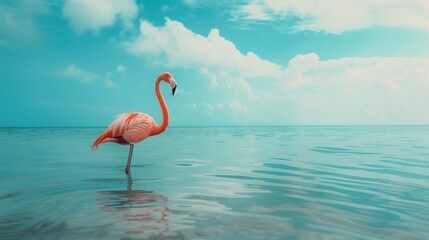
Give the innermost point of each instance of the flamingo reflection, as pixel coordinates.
(145, 210)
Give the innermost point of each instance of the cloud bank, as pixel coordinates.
(306, 80)
(176, 46)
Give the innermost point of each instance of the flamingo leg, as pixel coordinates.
(130, 155)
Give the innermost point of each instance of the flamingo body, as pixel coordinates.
(131, 128)
(127, 128)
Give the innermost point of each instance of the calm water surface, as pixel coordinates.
(217, 183)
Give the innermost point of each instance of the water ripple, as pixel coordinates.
(336, 150)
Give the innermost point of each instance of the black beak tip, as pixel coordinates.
(174, 90)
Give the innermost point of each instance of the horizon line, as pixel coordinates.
(262, 125)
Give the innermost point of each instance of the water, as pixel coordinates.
(217, 183)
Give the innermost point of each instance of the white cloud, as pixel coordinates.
(176, 46)
(121, 68)
(95, 14)
(210, 76)
(340, 16)
(72, 71)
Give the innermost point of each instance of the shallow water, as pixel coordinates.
(217, 183)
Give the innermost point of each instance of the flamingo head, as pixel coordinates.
(166, 77)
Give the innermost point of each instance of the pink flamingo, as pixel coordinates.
(131, 128)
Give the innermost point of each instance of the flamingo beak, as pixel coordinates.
(173, 85)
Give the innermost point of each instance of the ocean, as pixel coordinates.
(296, 182)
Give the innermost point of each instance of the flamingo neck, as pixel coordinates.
(165, 117)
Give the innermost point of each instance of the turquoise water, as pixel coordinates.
(217, 183)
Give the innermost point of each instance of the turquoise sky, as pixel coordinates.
(79, 63)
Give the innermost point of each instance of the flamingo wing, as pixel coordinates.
(127, 128)
(139, 128)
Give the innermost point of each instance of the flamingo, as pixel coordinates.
(134, 127)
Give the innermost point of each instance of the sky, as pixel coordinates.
(78, 63)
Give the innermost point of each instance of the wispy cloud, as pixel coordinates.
(110, 84)
(165, 8)
(337, 16)
(233, 106)
(96, 14)
(71, 71)
(85, 76)
(18, 23)
(252, 11)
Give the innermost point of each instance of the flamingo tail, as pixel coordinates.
(101, 138)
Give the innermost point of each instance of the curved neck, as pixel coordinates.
(165, 118)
